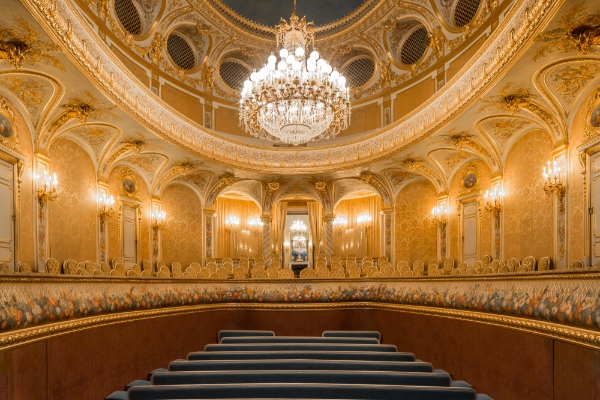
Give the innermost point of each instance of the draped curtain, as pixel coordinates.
(279, 213)
(315, 219)
(248, 241)
(352, 239)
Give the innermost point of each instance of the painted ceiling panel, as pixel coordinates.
(268, 12)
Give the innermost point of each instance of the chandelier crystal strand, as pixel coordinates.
(298, 99)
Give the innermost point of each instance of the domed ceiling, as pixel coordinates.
(268, 12)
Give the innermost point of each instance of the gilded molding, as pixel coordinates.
(91, 55)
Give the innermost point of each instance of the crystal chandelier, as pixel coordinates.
(300, 98)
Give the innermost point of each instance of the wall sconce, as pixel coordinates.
(232, 222)
(492, 201)
(255, 224)
(46, 189)
(286, 246)
(339, 223)
(364, 220)
(554, 184)
(439, 216)
(158, 220)
(106, 207)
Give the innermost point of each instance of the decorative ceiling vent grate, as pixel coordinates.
(359, 72)
(234, 74)
(464, 11)
(181, 52)
(128, 16)
(414, 47)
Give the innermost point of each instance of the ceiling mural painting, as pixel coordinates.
(502, 128)
(148, 163)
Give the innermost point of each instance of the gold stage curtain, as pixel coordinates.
(279, 213)
(247, 241)
(315, 219)
(352, 239)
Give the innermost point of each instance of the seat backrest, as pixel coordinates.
(239, 273)
(204, 273)
(544, 264)
(259, 274)
(52, 266)
(308, 273)
(285, 273)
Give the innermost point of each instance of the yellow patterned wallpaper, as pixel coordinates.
(351, 240)
(182, 234)
(72, 217)
(142, 200)
(485, 234)
(416, 234)
(247, 242)
(527, 209)
(576, 202)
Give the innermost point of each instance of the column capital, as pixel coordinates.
(209, 211)
(266, 218)
(328, 217)
(387, 210)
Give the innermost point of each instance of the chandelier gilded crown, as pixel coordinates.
(301, 97)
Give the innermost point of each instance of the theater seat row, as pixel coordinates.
(338, 365)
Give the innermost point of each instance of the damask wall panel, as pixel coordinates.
(577, 227)
(182, 234)
(72, 217)
(457, 192)
(527, 212)
(246, 242)
(416, 234)
(354, 241)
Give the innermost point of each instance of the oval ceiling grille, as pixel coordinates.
(359, 72)
(234, 74)
(181, 52)
(414, 47)
(128, 16)
(464, 11)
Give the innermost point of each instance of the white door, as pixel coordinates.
(129, 236)
(7, 214)
(595, 207)
(469, 232)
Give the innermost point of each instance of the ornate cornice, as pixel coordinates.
(69, 29)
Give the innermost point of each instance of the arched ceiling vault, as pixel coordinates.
(524, 73)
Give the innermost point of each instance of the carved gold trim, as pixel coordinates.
(525, 19)
(578, 336)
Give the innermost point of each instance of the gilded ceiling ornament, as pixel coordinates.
(510, 98)
(570, 79)
(21, 44)
(81, 108)
(579, 31)
(321, 185)
(156, 46)
(208, 78)
(273, 186)
(438, 41)
(183, 167)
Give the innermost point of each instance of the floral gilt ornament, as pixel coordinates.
(21, 44)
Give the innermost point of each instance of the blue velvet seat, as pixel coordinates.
(307, 355)
(304, 365)
(296, 376)
(232, 333)
(301, 347)
(302, 390)
(364, 334)
(298, 339)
